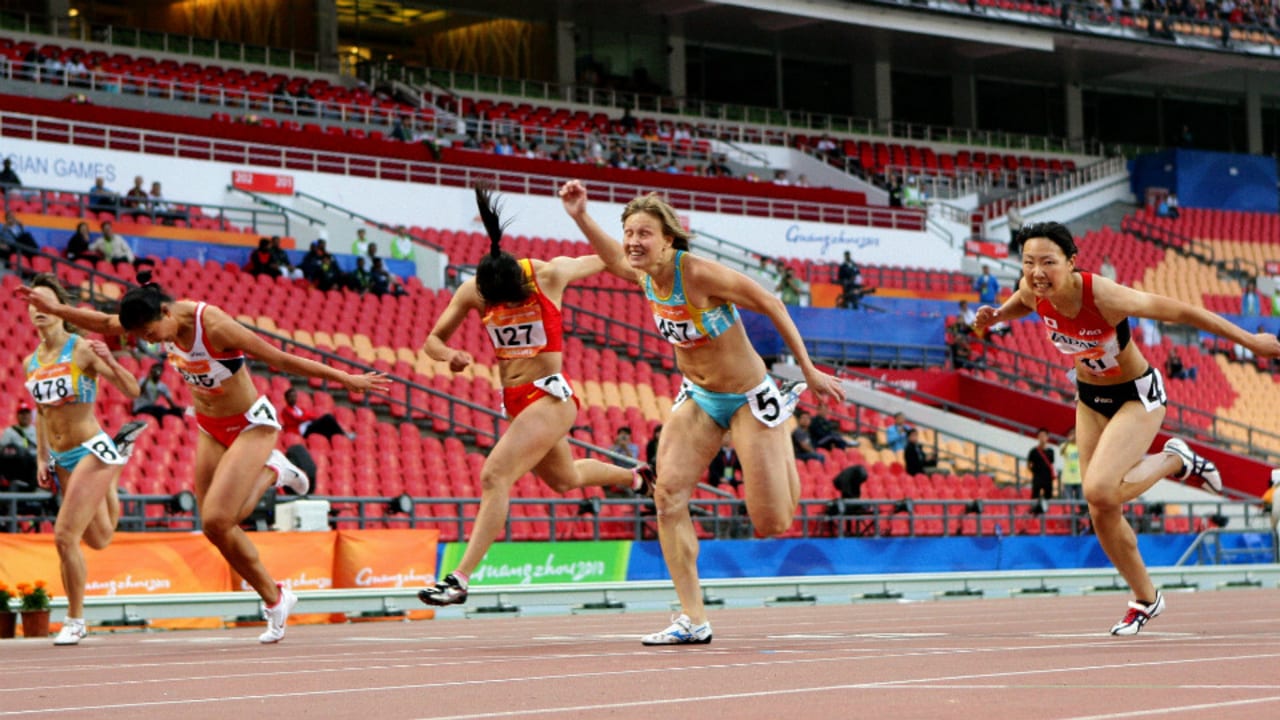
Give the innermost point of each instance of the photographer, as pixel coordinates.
(18, 452)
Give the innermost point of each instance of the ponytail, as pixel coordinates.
(499, 277)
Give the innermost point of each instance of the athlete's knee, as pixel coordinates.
(492, 481)
(1102, 495)
(670, 500)
(217, 525)
(66, 540)
(772, 524)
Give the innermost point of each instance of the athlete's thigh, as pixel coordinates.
(209, 454)
(531, 436)
(235, 477)
(83, 493)
(690, 438)
(1123, 443)
(768, 460)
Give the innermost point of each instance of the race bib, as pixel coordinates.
(104, 448)
(1150, 389)
(261, 412)
(52, 384)
(555, 385)
(516, 332)
(768, 404)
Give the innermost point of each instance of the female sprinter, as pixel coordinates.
(238, 427)
(695, 305)
(519, 303)
(1120, 396)
(74, 457)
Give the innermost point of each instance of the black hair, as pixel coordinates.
(1054, 232)
(499, 277)
(49, 280)
(142, 305)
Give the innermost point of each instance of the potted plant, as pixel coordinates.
(33, 603)
(8, 619)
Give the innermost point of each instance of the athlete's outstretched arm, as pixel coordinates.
(84, 318)
(574, 197)
(226, 333)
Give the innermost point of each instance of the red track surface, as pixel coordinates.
(1210, 655)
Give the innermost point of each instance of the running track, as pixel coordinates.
(1211, 654)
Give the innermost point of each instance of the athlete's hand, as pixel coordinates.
(100, 349)
(44, 478)
(366, 382)
(1265, 345)
(40, 301)
(824, 387)
(460, 360)
(573, 195)
(986, 317)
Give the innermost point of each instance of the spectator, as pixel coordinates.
(651, 449)
(360, 246)
(1176, 370)
(1168, 207)
(15, 238)
(914, 456)
(987, 286)
(402, 246)
(801, 441)
(102, 199)
(958, 343)
(622, 445)
(137, 199)
(328, 275)
(381, 281)
(359, 279)
(9, 178)
(262, 261)
(311, 261)
(849, 481)
(162, 209)
(967, 314)
(788, 287)
(399, 131)
(1069, 479)
(849, 276)
(371, 253)
(824, 432)
(1014, 219)
(79, 245)
(725, 467)
(281, 259)
(1249, 304)
(152, 391)
(1040, 463)
(895, 192)
(895, 436)
(112, 247)
(18, 452)
(627, 122)
(305, 422)
(1107, 270)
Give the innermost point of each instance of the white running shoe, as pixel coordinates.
(1193, 464)
(288, 475)
(681, 632)
(1138, 615)
(72, 632)
(278, 616)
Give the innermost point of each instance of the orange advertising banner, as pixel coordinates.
(153, 563)
(385, 558)
(134, 564)
(391, 558)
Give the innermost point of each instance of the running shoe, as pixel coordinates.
(448, 591)
(1138, 615)
(648, 479)
(72, 632)
(681, 632)
(1193, 464)
(277, 616)
(288, 475)
(125, 438)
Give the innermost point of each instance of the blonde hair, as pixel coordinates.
(657, 208)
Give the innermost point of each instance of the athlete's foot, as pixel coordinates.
(643, 480)
(288, 475)
(1194, 464)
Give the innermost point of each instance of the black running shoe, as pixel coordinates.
(446, 592)
(125, 438)
(648, 479)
